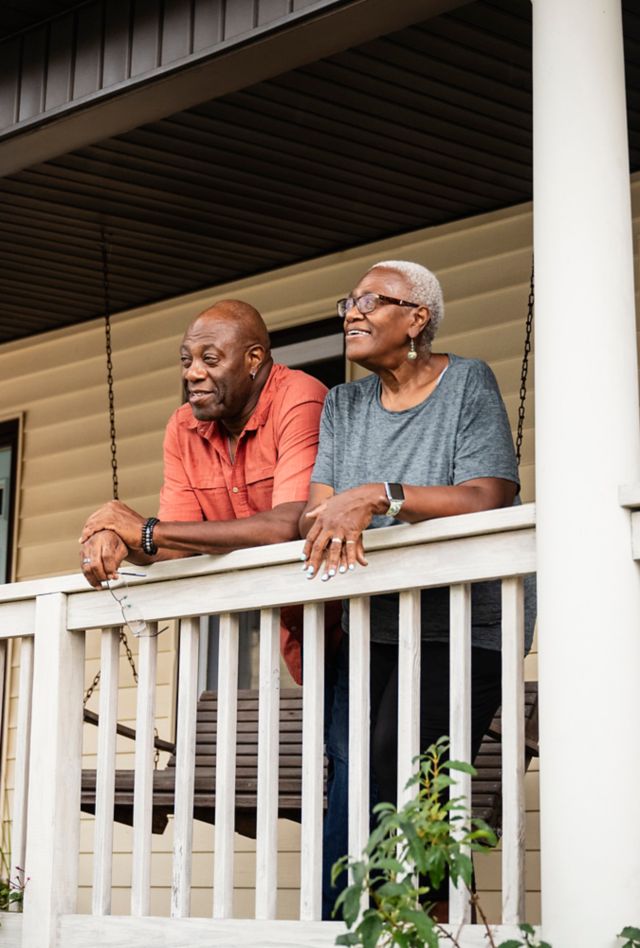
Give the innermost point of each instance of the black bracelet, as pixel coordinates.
(148, 546)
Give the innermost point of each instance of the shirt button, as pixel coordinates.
(234, 490)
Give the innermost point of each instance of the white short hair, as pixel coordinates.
(424, 288)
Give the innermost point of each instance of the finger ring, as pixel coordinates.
(86, 559)
(336, 539)
(349, 541)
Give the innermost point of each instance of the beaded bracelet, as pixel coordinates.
(148, 546)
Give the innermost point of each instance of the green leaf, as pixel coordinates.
(392, 890)
(351, 905)
(461, 766)
(526, 929)
(350, 938)
(370, 929)
(630, 932)
(512, 943)
(423, 925)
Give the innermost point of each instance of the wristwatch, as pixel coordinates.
(395, 496)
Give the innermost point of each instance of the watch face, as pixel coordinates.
(395, 492)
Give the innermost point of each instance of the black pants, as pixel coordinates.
(434, 723)
(434, 704)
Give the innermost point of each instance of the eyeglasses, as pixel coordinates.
(131, 615)
(367, 303)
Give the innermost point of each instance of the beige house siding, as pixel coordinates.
(58, 381)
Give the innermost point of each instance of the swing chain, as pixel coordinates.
(96, 678)
(107, 334)
(525, 367)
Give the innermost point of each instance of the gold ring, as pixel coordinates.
(347, 542)
(336, 539)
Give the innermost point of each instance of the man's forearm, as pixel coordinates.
(210, 536)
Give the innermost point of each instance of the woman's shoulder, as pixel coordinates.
(351, 392)
(471, 371)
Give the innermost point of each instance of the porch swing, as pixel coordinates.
(486, 786)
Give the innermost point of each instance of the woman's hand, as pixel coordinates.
(121, 519)
(334, 541)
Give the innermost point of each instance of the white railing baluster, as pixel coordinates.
(359, 724)
(408, 691)
(226, 765)
(105, 772)
(312, 763)
(513, 806)
(185, 768)
(53, 837)
(143, 779)
(460, 721)
(268, 759)
(21, 780)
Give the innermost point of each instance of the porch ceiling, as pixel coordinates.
(421, 127)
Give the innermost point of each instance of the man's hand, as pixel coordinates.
(334, 542)
(121, 519)
(101, 555)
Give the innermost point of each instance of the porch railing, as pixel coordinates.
(51, 618)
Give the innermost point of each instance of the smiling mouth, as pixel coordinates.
(197, 395)
(357, 332)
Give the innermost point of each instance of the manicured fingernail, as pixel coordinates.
(324, 577)
(343, 569)
(351, 566)
(332, 572)
(311, 570)
(303, 558)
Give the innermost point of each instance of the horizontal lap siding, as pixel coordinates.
(58, 380)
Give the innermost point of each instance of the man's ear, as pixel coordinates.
(255, 356)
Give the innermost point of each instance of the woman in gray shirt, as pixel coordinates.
(425, 435)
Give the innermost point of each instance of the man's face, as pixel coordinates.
(215, 369)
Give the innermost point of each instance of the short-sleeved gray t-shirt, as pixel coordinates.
(460, 432)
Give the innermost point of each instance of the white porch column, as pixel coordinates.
(587, 444)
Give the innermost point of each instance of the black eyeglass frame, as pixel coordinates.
(343, 308)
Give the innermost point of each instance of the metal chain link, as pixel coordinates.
(107, 334)
(112, 432)
(525, 367)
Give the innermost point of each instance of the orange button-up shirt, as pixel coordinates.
(274, 456)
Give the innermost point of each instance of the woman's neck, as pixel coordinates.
(408, 384)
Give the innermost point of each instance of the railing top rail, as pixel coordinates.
(629, 496)
(430, 531)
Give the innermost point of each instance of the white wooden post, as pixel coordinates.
(312, 763)
(268, 759)
(185, 768)
(21, 780)
(105, 772)
(513, 817)
(53, 837)
(408, 692)
(359, 724)
(143, 785)
(226, 766)
(460, 722)
(587, 445)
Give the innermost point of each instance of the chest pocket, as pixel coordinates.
(260, 490)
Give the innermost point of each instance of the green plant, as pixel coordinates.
(408, 856)
(632, 935)
(11, 890)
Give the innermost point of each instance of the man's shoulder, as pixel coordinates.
(294, 385)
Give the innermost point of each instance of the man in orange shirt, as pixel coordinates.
(237, 457)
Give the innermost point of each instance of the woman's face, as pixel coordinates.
(380, 339)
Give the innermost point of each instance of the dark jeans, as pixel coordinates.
(434, 722)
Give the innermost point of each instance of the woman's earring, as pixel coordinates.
(252, 376)
(412, 355)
